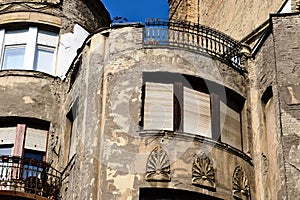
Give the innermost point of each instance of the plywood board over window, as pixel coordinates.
(196, 108)
(158, 111)
(7, 140)
(36, 139)
(21, 137)
(7, 135)
(230, 126)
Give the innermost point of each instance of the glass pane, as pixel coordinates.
(5, 167)
(44, 60)
(13, 58)
(36, 155)
(5, 151)
(32, 170)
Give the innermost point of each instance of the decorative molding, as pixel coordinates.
(240, 184)
(158, 166)
(29, 6)
(203, 172)
(31, 1)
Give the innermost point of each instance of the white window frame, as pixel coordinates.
(31, 43)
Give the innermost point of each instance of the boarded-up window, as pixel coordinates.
(7, 135)
(158, 110)
(183, 103)
(196, 106)
(15, 139)
(230, 126)
(36, 139)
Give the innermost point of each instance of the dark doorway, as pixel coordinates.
(172, 194)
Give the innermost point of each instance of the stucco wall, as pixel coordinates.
(274, 88)
(83, 99)
(267, 150)
(30, 94)
(89, 14)
(112, 150)
(286, 37)
(235, 18)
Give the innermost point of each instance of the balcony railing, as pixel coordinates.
(29, 176)
(194, 37)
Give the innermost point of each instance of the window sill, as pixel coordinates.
(192, 137)
(29, 73)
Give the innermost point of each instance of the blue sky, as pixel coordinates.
(137, 10)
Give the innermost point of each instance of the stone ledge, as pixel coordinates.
(33, 17)
(28, 73)
(192, 137)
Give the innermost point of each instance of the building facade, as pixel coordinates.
(204, 105)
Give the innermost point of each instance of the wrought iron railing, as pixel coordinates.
(29, 176)
(194, 37)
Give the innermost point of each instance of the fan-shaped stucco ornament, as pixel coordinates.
(203, 172)
(158, 166)
(240, 184)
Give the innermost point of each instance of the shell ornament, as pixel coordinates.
(158, 166)
(240, 184)
(203, 172)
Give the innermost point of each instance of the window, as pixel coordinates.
(5, 150)
(71, 135)
(159, 109)
(23, 140)
(28, 49)
(44, 58)
(181, 103)
(30, 170)
(230, 126)
(13, 57)
(71, 124)
(158, 106)
(196, 112)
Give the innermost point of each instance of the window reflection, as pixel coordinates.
(13, 57)
(5, 150)
(44, 58)
(31, 170)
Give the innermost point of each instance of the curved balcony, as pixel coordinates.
(28, 178)
(194, 37)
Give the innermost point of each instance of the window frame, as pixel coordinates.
(19, 144)
(6, 147)
(36, 57)
(9, 47)
(32, 44)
